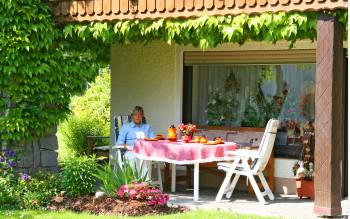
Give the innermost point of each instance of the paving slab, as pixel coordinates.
(285, 206)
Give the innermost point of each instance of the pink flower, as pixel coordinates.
(121, 193)
(138, 186)
(141, 191)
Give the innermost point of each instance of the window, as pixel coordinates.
(234, 95)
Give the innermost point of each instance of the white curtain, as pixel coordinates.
(299, 79)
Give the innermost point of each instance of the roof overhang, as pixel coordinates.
(99, 10)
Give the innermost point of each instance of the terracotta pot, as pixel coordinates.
(305, 188)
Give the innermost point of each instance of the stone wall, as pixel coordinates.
(40, 153)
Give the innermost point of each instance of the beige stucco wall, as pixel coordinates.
(144, 75)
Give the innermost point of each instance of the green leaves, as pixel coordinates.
(113, 179)
(42, 66)
(209, 31)
(77, 175)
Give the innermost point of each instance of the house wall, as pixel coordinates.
(144, 75)
(151, 76)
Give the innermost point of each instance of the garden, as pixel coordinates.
(85, 186)
(55, 75)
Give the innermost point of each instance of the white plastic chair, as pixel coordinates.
(260, 159)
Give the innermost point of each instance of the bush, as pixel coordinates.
(38, 189)
(90, 116)
(124, 174)
(96, 100)
(9, 195)
(77, 175)
(75, 130)
(21, 190)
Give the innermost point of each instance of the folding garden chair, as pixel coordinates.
(240, 165)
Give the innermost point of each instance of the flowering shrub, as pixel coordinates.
(37, 189)
(188, 129)
(19, 190)
(142, 191)
(9, 195)
(8, 160)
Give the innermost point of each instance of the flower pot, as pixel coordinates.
(281, 138)
(305, 188)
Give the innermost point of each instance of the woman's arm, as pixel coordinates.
(123, 137)
(150, 132)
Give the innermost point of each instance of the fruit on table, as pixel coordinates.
(159, 136)
(197, 139)
(218, 140)
(203, 139)
(172, 132)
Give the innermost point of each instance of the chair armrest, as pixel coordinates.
(104, 148)
(118, 147)
(90, 142)
(244, 153)
(98, 137)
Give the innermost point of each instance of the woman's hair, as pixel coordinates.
(139, 109)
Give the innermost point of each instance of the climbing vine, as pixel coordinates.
(40, 70)
(206, 31)
(43, 65)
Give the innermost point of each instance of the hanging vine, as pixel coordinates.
(40, 70)
(206, 31)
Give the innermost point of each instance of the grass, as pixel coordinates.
(68, 214)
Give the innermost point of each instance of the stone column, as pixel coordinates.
(41, 153)
(328, 119)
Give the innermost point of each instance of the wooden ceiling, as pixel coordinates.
(97, 10)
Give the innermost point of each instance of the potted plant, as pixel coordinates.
(303, 169)
(187, 131)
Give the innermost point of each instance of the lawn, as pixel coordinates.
(68, 214)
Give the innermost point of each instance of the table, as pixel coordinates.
(180, 153)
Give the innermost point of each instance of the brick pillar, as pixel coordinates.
(328, 120)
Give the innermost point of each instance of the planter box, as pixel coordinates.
(305, 188)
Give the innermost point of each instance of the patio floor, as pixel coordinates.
(242, 202)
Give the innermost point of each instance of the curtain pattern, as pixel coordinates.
(271, 80)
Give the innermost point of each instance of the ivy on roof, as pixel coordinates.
(206, 31)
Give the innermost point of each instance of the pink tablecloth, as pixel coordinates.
(182, 153)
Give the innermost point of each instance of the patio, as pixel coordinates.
(286, 206)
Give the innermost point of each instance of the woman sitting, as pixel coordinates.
(130, 132)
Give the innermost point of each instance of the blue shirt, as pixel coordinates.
(130, 132)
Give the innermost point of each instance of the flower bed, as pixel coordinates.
(111, 206)
(77, 180)
(134, 199)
